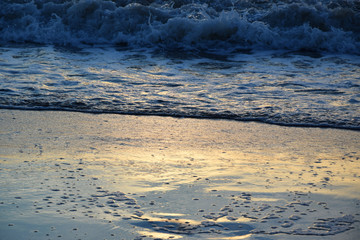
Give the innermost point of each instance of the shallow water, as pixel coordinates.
(290, 88)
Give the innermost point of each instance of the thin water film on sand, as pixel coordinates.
(166, 178)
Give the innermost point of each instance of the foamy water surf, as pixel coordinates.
(281, 87)
(284, 62)
(197, 24)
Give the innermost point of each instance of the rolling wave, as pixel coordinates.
(330, 26)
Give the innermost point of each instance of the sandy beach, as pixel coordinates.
(67, 175)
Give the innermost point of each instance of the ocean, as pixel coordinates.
(294, 63)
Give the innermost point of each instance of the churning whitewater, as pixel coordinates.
(187, 24)
(284, 62)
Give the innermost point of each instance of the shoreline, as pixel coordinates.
(206, 117)
(96, 176)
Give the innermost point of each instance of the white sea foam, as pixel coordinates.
(312, 25)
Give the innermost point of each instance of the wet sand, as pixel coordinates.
(66, 175)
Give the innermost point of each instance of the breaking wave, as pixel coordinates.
(327, 25)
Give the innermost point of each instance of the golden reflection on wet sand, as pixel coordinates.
(183, 171)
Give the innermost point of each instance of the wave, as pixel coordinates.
(290, 120)
(186, 24)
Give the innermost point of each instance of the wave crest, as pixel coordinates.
(325, 25)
